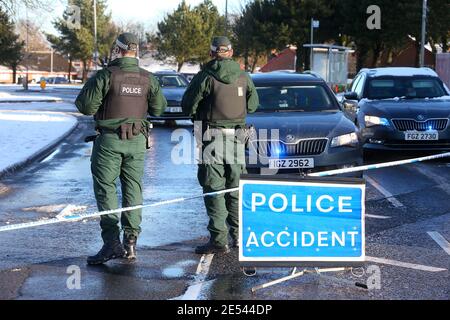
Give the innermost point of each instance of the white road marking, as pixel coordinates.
(374, 216)
(51, 156)
(389, 196)
(194, 290)
(440, 180)
(440, 240)
(404, 264)
(343, 281)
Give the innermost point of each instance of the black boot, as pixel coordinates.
(211, 248)
(235, 243)
(110, 250)
(129, 244)
(234, 240)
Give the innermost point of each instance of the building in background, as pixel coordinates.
(41, 64)
(407, 56)
(443, 67)
(285, 60)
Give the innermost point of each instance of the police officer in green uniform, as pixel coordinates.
(120, 97)
(220, 96)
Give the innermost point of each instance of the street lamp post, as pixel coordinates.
(226, 16)
(312, 42)
(314, 24)
(51, 60)
(25, 84)
(424, 26)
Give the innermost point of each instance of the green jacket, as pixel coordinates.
(96, 88)
(226, 71)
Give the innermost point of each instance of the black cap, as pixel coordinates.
(127, 41)
(221, 43)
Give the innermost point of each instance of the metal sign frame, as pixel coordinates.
(295, 180)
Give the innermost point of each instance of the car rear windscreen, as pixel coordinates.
(310, 98)
(406, 87)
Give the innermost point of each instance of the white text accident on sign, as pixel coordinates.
(303, 239)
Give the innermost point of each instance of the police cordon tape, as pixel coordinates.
(67, 214)
(379, 165)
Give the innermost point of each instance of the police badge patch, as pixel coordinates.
(132, 90)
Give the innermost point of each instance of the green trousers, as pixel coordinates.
(222, 171)
(113, 159)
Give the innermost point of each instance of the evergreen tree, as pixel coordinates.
(10, 45)
(274, 24)
(186, 33)
(79, 43)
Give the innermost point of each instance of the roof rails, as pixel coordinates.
(313, 73)
(281, 71)
(399, 71)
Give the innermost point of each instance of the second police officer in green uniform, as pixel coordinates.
(219, 97)
(120, 97)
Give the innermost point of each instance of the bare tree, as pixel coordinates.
(13, 5)
(36, 39)
(137, 28)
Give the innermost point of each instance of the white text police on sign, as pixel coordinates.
(301, 221)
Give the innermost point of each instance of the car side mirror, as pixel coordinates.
(351, 95)
(351, 106)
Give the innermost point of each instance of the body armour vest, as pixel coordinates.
(228, 101)
(127, 96)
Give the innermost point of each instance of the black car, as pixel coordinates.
(400, 109)
(307, 131)
(173, 86)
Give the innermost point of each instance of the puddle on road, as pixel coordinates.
(46, 209)
(178, 270)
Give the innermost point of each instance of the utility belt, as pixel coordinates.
(242, 133)
(226, 131)
(126, 131)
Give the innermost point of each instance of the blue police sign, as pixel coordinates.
(301, 222)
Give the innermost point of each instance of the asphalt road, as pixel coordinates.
(403, 204)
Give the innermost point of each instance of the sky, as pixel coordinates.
(148, 11)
